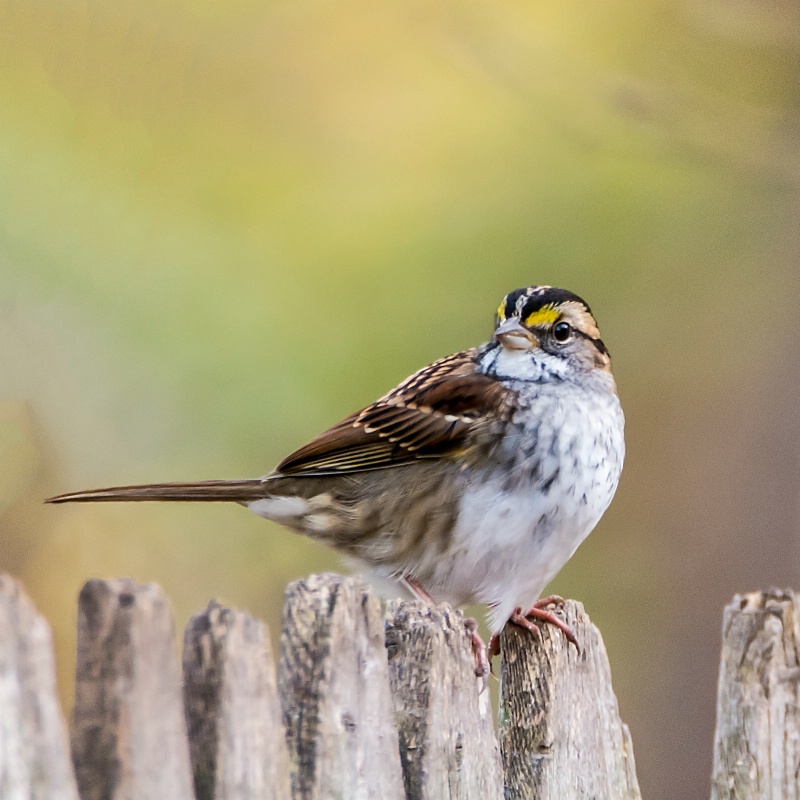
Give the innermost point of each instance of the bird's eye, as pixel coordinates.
(562, 331)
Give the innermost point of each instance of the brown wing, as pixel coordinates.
(429, 415)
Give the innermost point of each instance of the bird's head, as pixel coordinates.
(551, 321)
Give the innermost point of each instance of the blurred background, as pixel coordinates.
(224, 226)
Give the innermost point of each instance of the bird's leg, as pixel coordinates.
(417, 589)
(539, 610)
(494, 647)
(482, 666)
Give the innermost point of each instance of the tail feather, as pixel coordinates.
(200, 491)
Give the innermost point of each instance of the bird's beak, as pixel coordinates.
(514, 336)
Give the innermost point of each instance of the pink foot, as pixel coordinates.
(540, 611)
(482, 666)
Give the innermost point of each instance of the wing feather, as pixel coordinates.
(429, 415)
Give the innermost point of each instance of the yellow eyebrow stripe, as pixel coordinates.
(544, 316)
(501, 311)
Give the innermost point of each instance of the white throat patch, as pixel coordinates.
(522, 365)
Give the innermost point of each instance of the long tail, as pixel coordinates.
(200, 491)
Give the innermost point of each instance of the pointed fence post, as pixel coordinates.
(448, 745)
(757, 739)
(128, 731)
(560, 732)
(236, 737)
(334, 686)
(34, 752)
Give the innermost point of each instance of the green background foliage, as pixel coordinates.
(223, 226)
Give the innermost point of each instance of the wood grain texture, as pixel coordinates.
(757, 739)
(236, 737)
(128, 733)
(334, 688)
(560, 732)
(34, 753)
(448, 746)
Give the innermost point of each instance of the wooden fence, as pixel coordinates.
(365, 703)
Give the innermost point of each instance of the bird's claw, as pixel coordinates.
(540, 610)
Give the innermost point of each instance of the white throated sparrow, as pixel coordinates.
(473, 481)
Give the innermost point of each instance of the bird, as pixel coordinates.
(471, 482)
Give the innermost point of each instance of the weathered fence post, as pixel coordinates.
(34, 754)
(334, 687)
(448, 745)
(236, 739)
(128, 732)
(757, 740)
(560, 732)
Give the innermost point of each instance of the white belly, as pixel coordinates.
(510, 543)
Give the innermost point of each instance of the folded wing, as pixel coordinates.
(429, 415)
